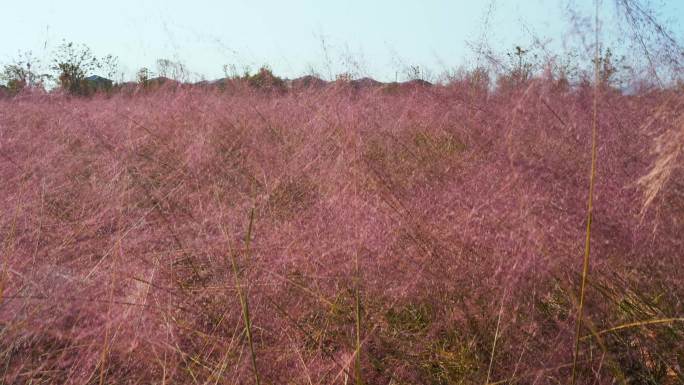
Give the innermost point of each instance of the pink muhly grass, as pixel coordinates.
(116, 211)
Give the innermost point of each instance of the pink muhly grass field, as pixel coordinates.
(464, 209)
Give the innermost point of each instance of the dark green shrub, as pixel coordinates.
(265, 79)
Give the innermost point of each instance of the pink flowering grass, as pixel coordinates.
(462, 209)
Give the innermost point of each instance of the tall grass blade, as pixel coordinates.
(590, 199)
(660, 321)
(496, 337)
(244, 303)
(357, 295)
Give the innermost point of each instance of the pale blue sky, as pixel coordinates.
(373, 38)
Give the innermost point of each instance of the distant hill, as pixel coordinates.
(307, 81)
(98, 82)
(366, 83)
(417, 83)
(161, 80)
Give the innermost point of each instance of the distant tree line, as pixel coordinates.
(68, 69)
(73, 66)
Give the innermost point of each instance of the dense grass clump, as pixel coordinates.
(429, 236)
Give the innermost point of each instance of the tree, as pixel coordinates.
(564, 70)
(110, 66)
(172, 69)
(23, 73)
(143, 76)
(609, 68)
(71, 64)
(265, 79)
(520, 70)
(413, 72)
